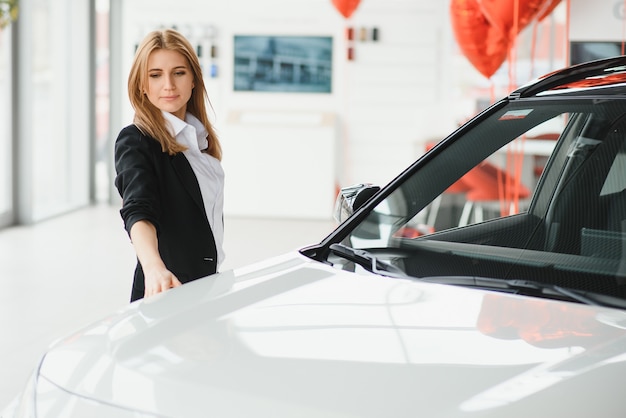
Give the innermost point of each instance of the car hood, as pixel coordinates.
(291, 337)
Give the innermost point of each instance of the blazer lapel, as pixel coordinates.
(187, 178)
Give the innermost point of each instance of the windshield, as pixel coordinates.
(532, 191)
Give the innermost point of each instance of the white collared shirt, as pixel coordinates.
(208, 170)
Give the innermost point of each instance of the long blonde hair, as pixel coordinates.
(148, 117)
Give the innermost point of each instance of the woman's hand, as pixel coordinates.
(158, 279)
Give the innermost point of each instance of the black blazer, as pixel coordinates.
(163, 189)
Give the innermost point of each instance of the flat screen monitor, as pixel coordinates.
(269, 63)
(584, 51)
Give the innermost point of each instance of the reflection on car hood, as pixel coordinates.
(296, 338)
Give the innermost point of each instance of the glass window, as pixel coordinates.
(6, 131)
(57, 112)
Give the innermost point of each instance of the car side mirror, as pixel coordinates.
(351, 198)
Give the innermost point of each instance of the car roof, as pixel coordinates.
(605, 76)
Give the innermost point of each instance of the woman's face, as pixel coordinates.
(170, 81)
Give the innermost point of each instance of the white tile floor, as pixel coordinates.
(66, 272)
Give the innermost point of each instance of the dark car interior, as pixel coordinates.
(577, 242)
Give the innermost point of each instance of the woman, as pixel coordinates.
(169, 173)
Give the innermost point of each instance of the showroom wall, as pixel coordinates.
(286, 153)
(600, 20)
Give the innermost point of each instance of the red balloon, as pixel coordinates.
(485, 46)
(503, 15)
(346, 7)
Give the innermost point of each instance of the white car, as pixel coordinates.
(460, 289)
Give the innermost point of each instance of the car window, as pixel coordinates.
(459, 210)
(500, 185)
(616, 179)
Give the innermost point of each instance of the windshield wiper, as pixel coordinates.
(366, 260)
(531, 288)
